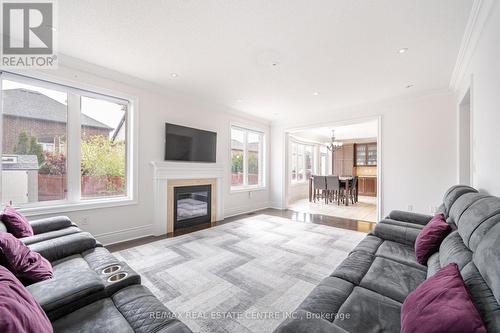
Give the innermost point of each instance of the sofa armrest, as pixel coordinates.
(60, 247)
(396, 233)
(41, 226)
(64, 294)
(410, 217)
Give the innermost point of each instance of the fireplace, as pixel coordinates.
(192, 205)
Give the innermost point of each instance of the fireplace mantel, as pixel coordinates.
(163, 171)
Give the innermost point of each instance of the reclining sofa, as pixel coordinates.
(91, 290)
(366, 291)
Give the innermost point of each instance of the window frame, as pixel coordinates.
(302, 161)
(262, 158)
(74, 201)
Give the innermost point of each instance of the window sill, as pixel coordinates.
(77, 206)
(247, 189)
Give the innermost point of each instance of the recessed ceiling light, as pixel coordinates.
(239, 100)
(315, 93)
(403, 50)
(174, 75)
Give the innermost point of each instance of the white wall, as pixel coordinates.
(120, 223)
(418, 150)
(483, 70)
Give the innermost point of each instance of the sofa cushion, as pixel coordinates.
(487, 260)
(369, 312)
(453, 194)
(396, 233)
(306, 322)
(98, 317)
(483, 298)
(369, 244)
(477, 219)
(429, 239)
(49, 235)
(392, 279)
(26, 265)
(411, 219)
(61, 247)
(326, 299)
(19, 312)
(16, 223)
(390, 220)
(67, 292)
(354, 267)
(433, 264)
(453, 249)
(441, 304)
(402, 253)
(41, 226)
(132, 309)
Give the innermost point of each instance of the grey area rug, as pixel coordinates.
(243, 276)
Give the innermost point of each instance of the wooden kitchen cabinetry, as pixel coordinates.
(365, 154)
(343, 161)
(367, 186)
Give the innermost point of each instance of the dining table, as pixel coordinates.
(342, 179)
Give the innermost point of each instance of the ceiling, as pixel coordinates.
(276, 59)
(362, 130)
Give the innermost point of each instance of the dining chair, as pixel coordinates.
(319, 187)
(353, 188)
(333, 188)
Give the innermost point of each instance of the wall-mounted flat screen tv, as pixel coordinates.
(189, 144)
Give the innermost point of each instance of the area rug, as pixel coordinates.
(242, 276)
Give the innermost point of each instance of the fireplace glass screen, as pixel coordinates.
(192, 205)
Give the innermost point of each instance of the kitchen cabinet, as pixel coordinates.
(367, 186)
(365, 154)
(343, 161)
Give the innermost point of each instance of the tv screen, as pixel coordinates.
(189, 144)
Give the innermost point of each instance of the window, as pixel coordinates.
(302, 162)
(323, 162)
(61, 145)
(246, 158)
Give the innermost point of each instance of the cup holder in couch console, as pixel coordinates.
(111, 269)
(117, 277)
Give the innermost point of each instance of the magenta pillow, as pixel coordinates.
(19, 311)
(441, 304)
(26, 265)
(16, 223)
(431, 236)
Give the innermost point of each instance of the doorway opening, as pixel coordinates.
(464, 141)
(334, 170)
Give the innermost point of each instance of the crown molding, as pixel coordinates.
(479, 14)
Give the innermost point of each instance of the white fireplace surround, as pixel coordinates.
(163, 171)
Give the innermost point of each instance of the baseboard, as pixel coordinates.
(276, 205)
(245, 209)
(119, 236)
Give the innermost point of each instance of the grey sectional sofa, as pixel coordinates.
(91, 290)
(366, 291)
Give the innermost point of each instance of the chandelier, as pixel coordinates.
(334, 145)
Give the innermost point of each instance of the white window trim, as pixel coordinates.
(262, 158)
(73, 202)
(303, 164)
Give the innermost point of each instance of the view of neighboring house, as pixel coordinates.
(41, 117)
(32, 115)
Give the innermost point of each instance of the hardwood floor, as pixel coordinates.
(365, 209)
(296, 216)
